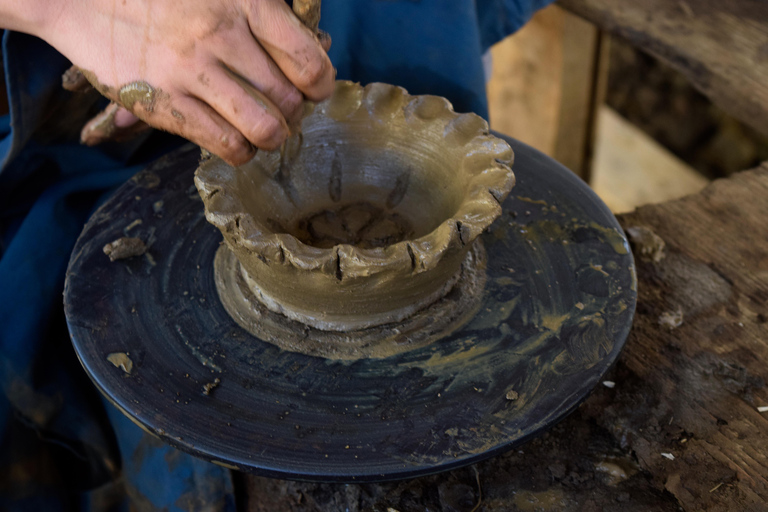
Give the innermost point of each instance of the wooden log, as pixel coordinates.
(576, 467)
(722, 47)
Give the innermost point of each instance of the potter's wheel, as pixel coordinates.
(557, 307)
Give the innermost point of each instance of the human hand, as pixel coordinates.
(228, 75)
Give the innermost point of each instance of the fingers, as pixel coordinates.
(198, 122)
(242, 106)
(250, 75)
(324, 38)
(125, 119)
(293, 47)
(248, 62)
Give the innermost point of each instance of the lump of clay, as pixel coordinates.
(125, 247)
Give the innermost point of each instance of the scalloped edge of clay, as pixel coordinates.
(488, 160)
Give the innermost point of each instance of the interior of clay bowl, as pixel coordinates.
(372, 167)
(352, 184)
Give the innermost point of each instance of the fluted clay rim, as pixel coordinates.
(489, 185)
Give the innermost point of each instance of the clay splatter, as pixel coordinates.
(137, 92)
(125, 247)
(671, 319)
(122, 361)
(210, 386)
(648, 245)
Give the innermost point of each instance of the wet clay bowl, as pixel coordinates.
(365, 216)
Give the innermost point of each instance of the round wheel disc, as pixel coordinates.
(556, 310)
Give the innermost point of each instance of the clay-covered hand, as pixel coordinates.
(226, 74)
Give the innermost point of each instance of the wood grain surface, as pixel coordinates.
(694, 391)
(722, 47)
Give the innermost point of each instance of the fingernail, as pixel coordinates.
(100, 127)
(324, 38)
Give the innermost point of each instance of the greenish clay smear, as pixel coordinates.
(105, 90)
(137, 92)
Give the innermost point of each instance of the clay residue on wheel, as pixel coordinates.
(436, 321)
(565, 304)
(121, 360)
(125, 247)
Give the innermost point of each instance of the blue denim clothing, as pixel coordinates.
(61, 446)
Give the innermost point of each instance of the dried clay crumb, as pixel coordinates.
(512, 395)
(609, 384)
(207, 388)
(121, 360)
(125, 247)
(671, 319)
(648, 245)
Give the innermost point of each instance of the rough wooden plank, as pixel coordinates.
(692, 392)
(631, 169)
(722, 47)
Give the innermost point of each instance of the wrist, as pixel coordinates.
(29, 16)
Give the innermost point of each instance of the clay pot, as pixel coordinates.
(366, 216)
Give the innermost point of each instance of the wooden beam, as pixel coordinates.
(548, 81)
(721, 46)
(525, 88)
(584, 79)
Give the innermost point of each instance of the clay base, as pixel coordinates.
(439, 319)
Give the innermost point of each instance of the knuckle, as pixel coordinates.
(268, 133)
(313, 72)
(292, 100)
(234, 149)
